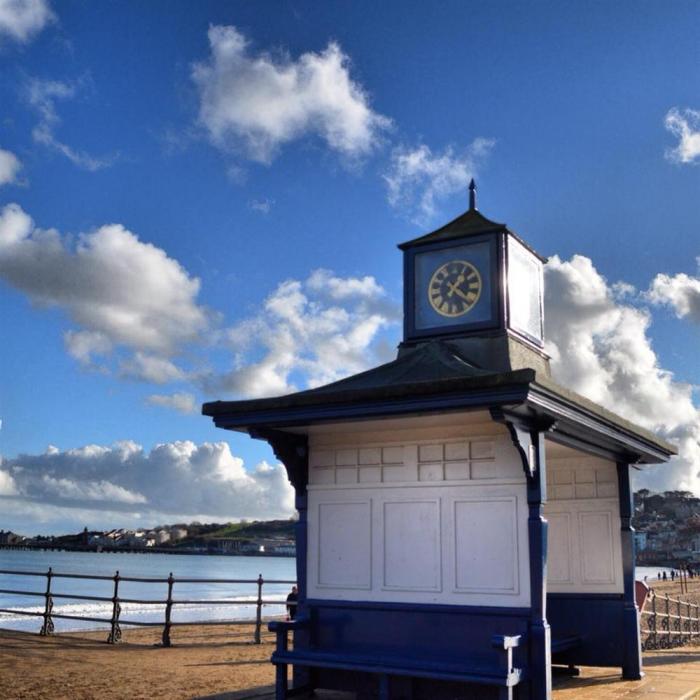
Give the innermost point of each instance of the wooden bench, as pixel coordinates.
(484, 671)
(564, 644)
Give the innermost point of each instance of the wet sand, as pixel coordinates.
(203, 661)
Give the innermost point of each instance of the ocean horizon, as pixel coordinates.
(146, 565)
(150, 565)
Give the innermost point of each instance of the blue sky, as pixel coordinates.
(223, 186)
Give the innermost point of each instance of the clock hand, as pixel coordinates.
(460, 293)
(455, 285)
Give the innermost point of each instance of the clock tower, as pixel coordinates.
(477, 285)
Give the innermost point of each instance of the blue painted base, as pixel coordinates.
(599, 622)
(439, 634)
(367, 686)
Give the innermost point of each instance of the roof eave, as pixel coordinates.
(468, 399)
(576, 425)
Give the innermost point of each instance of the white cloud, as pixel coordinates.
(151, 368)
(324, 282)
(601, 349)
(119, 290)
(686, 126)
(178, 480)
(263, 206)
(21, 20)
(179, 401)
(315, 331)
(9, 167)
(681, 292)
(418, 178)
(42, 96)
(8, 487)
(70, 490)
(258, 102)
(82, 345)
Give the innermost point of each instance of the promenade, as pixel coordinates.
(222, 664)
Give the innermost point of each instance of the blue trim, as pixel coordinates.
(491, 611)
(585, 596)
(632, 663)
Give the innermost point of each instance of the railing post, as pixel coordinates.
(258, 613)
(47, 627)
(168, 612)
(115, 632)
(668, 622)
(655, 636)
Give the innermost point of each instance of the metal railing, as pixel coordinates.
(669, 622)
(116, 621)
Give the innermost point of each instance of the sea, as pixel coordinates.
(237, 596)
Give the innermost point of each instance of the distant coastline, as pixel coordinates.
(99, 549)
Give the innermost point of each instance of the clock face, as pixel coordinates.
(454, 288)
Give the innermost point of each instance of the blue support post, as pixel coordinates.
(632, 652)
(293, 451)
(528, 439)
(540, 633)
(301, 676)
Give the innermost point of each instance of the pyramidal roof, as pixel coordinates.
(471, 223)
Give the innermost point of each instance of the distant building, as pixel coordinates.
(10, 537)
(640, 541)
(178, 533)
(162, 536)
(224, 545)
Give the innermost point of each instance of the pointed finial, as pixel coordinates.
(472, 195)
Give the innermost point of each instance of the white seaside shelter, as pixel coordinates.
(464, 521)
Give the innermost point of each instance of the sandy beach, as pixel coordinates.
(217, 661)
(203, 661)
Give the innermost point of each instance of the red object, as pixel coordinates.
(641, 591)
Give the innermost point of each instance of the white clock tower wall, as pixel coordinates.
(418, 510)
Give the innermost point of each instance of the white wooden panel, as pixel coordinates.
(346, 475)
(561, 491)
(457, 451)
(397, 473)
(371, 455)
(344, 545)
(345, 458)
(430, 453)
(481, 449)
(486, 546)
(559, 555)
(322, 458)
(585, 491)
(456, 471)
(430, 472)
(596, 547)
(323, 475)
(412, 545)
(392, 455)
(607, 490)
(414, 558)
(370, 474)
